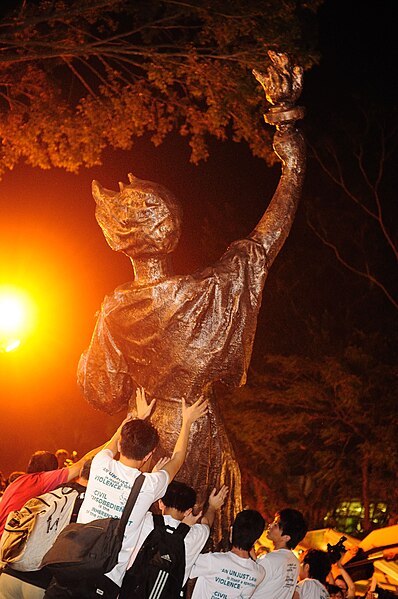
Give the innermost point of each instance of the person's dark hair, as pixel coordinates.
(179, 496)
(85, 469)
(248, 526)
(42, 461)
(292, 523)
(340, 577)
(319, 564)
(333, 589)
(137, 439)
(14, 475)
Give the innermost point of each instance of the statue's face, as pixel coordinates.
(142, 219)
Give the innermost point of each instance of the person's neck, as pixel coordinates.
(280, 545)
(240, 552)
(149, 270)
(174, 513)
(138, 464)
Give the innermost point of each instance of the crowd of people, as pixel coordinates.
(103, 479)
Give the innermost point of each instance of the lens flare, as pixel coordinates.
(16, 317)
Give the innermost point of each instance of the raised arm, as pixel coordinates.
(337, 570)
(216, 501)
(189, 415)
(282, 84)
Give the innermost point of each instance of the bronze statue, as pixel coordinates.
(175, 336)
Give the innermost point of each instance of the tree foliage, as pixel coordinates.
(76, 76)
(317, 431)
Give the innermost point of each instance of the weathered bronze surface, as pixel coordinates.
(178, 335)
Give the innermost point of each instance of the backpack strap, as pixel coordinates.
(158, 521)
(132, 498)
(182, 530)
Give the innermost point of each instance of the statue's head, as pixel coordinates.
(142, 219)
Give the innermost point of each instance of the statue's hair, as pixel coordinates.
(143, 218)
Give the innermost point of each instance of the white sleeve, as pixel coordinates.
(156, 483)
(202, 565)
(194, 543)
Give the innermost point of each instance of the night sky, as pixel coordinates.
(51, 243)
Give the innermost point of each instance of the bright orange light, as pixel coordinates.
(16, 317)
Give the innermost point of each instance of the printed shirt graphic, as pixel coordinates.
(281, 573)
(225, 576)
(108, 488)
(310, 588)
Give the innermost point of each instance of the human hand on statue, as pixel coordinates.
(195, 411)
(190, 519)
(216, 500)
(143, 408)
(159, 464)
(127, 419)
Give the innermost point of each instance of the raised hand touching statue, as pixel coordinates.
(176, 336)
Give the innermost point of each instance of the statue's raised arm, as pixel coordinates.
(282, 84)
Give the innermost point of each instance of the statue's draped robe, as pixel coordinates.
(176, 338)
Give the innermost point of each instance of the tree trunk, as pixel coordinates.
(365, 493)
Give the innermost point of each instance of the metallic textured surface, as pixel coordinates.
(178, 335)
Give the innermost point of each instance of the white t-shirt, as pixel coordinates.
(107, 491)
(225, 576)
(281, 573)
(310, 588)
(194, 541)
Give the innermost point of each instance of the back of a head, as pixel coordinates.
(142, 219)
(319, 564)
(85, 469)
(246, 529)
(179, 496)
(292, 523)
(137, 439)
(334, 591)
(14, 475)
(62, 455)
(42, 461)
(340, 582)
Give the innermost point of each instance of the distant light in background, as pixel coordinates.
(17, 317)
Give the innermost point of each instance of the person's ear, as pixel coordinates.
(148, 456)
(286, 538)
(118, 445)
(187, 512)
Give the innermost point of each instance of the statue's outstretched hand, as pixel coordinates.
(283, 82)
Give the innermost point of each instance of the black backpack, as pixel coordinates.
(159, 568)
(83, 552)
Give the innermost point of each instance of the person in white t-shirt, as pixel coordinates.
(233, 574)
(111, 480)
(176, 506)
(281, 565)
(315, 567)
